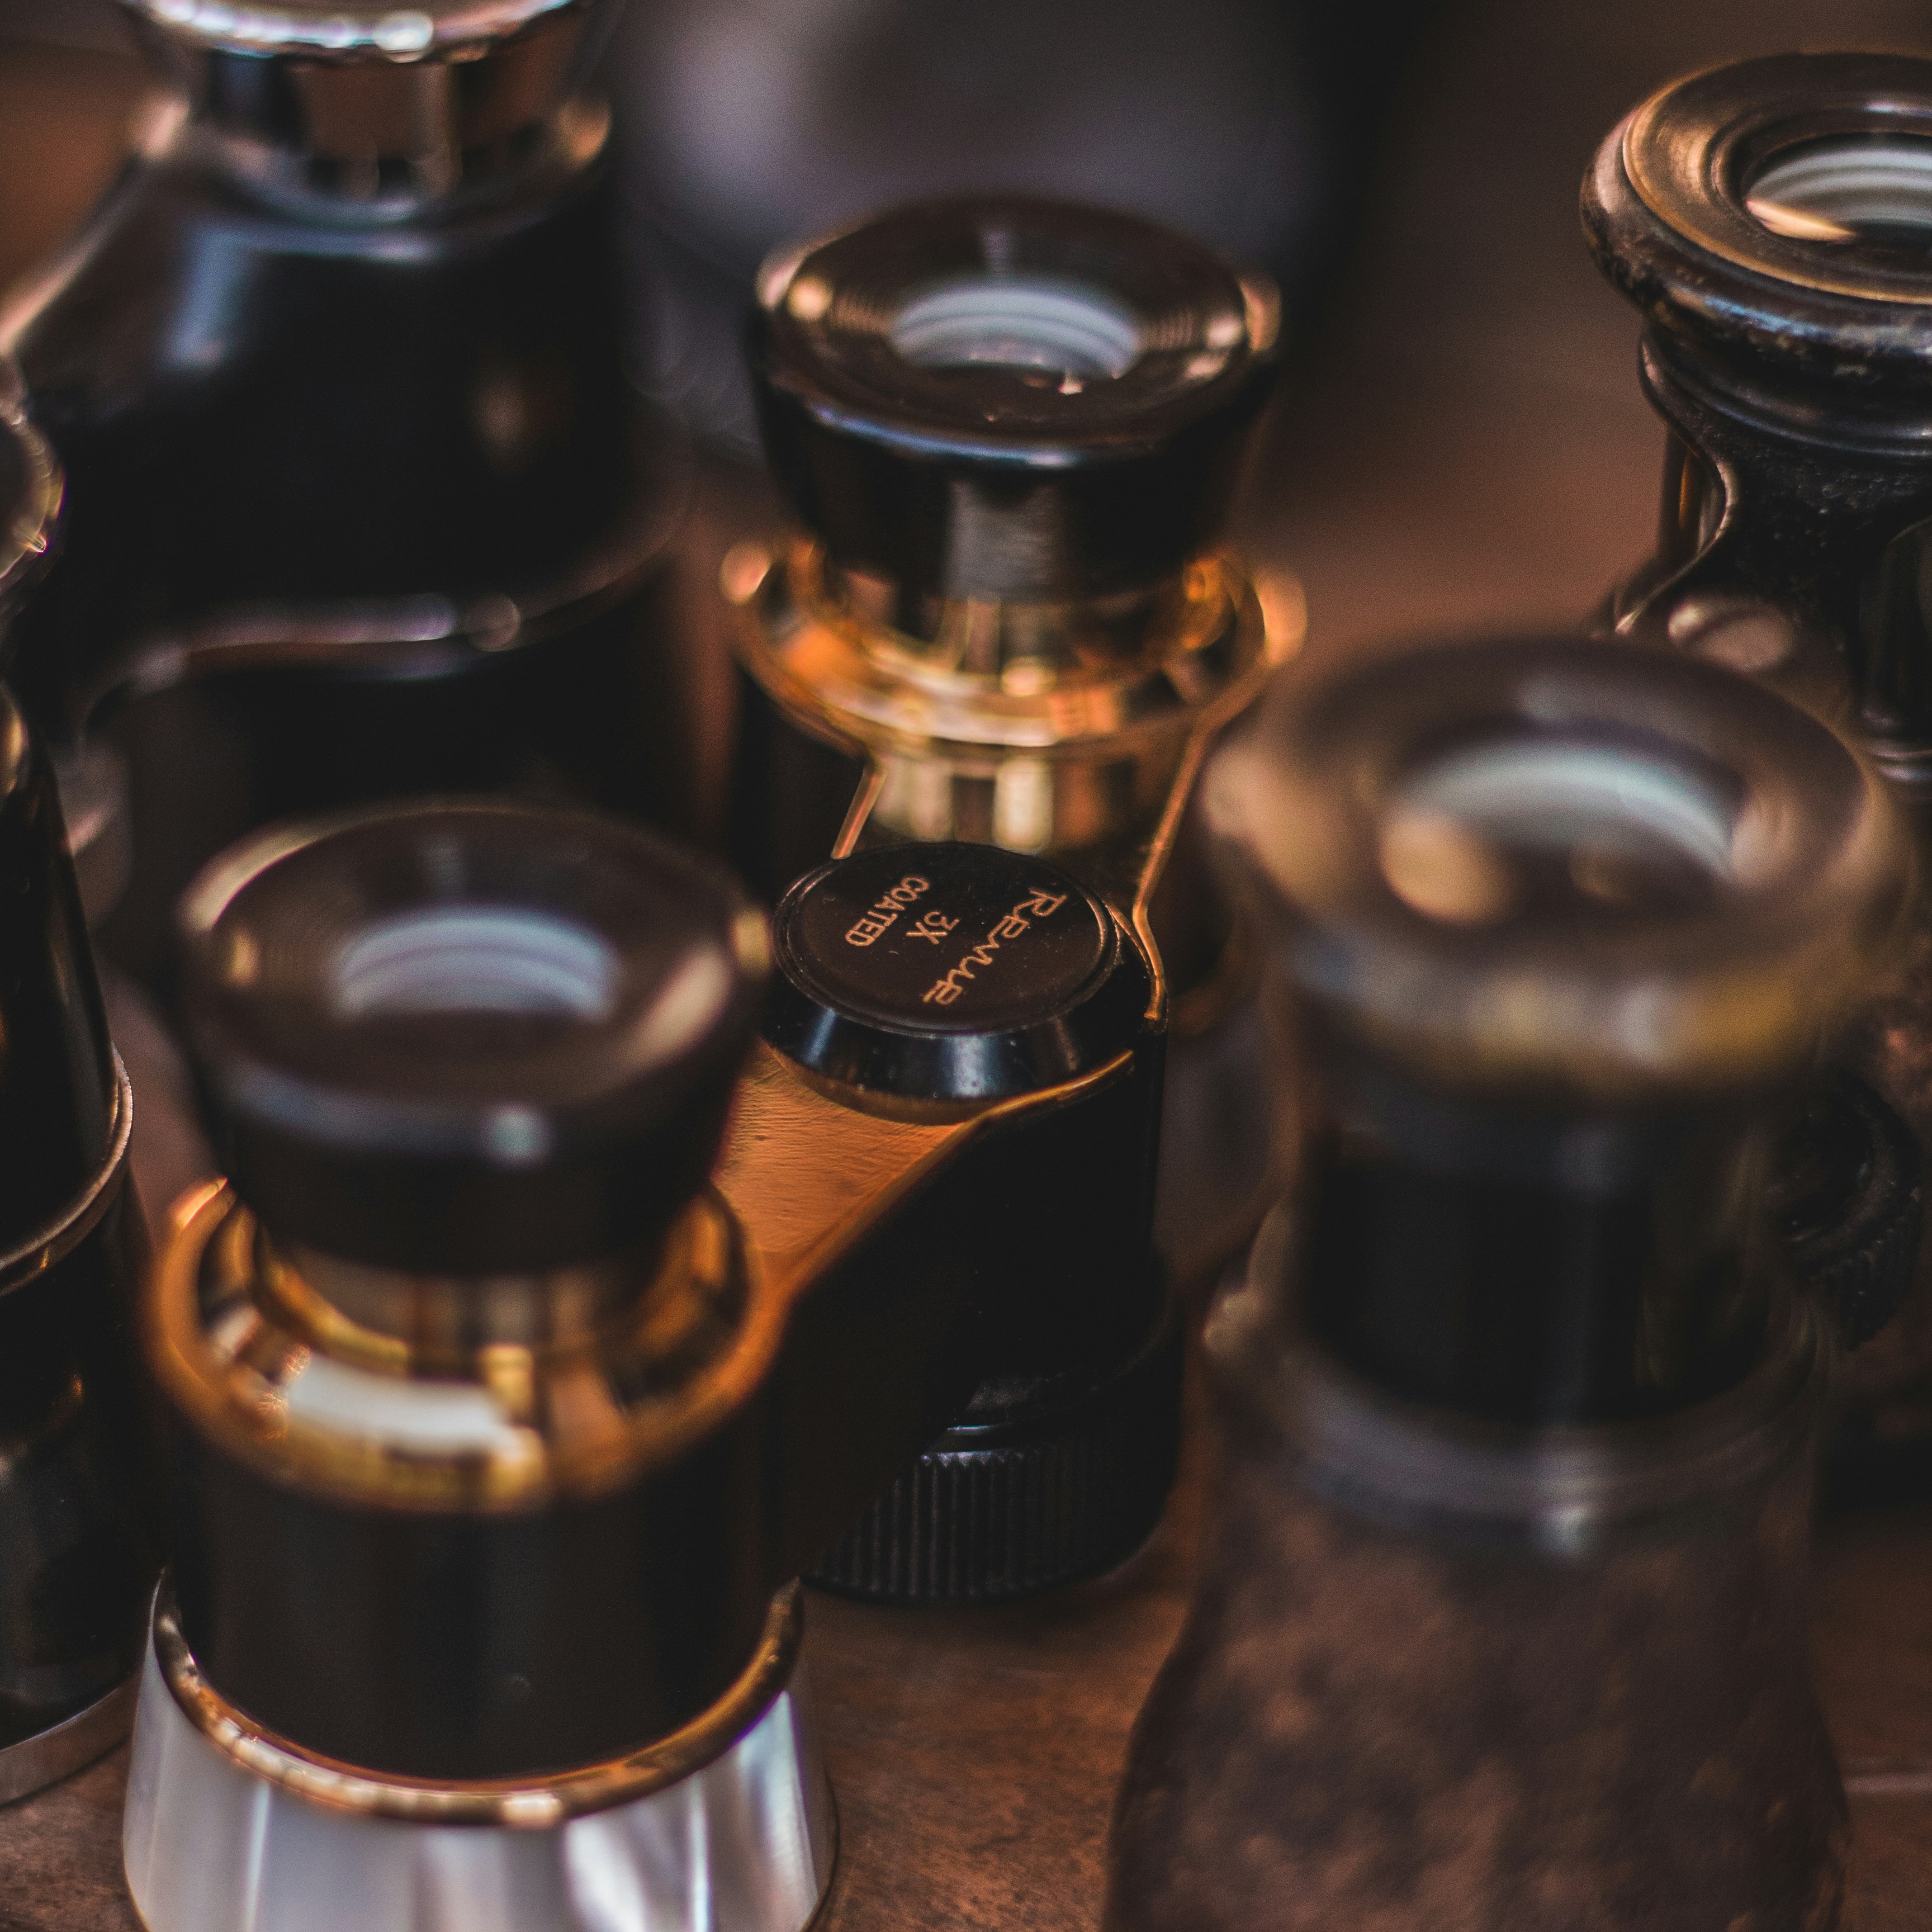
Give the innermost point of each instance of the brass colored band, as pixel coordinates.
(803, 1174)
(54, 1243)
(534, 1803)
(866, 685)
(851, 682)
(244, 1415)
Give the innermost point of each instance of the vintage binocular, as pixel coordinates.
(79, 1509)
(1768, 218)
(504, 1402)
(1501, 1616)
(361, 504)
(1010, 430)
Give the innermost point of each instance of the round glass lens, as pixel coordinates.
(1060, 326)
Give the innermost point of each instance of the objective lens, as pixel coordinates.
(1849, 187)
(475, 959)
(1484, 830)
(1018, 322)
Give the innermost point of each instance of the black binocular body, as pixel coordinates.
(595, 1255)
(361, 504)
(451, 1166)
(1500, 1619)
(1011, 430)
(1761, 215)
(550, 1324)
(1764, 218)
(79, 1504)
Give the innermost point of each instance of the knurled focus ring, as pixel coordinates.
(1047, 1497)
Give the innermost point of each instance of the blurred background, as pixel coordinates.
(1460, 438)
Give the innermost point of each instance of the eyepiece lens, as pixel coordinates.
(1058, 325)
(460, 959)
(1874, 188)
(1490, 830)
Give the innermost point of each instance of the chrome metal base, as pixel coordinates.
(743, 1844)
(64, 1748)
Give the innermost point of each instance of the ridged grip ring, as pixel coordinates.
(1046, 1493)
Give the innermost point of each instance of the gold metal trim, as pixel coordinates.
(229, 1327)
(856, 682)
(1097, 722)
(454, 1326)
(1209, 721)
(534, 1803)
(227, 1347)
(809, 1171)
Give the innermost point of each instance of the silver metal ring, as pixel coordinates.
(402, 32)
(538, 1802)
(64, 1748)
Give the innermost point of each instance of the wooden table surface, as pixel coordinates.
(974, 1754)
(1463, 444)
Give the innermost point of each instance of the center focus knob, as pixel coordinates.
(950, 972)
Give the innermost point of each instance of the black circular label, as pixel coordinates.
(951, 938)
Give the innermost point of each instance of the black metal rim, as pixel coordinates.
(1665, 208)
(1303, 798)
(1208, 332)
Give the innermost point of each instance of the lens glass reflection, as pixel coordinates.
(1049, 323)
(1871, 188)
(1499, 828)
(474, 959)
